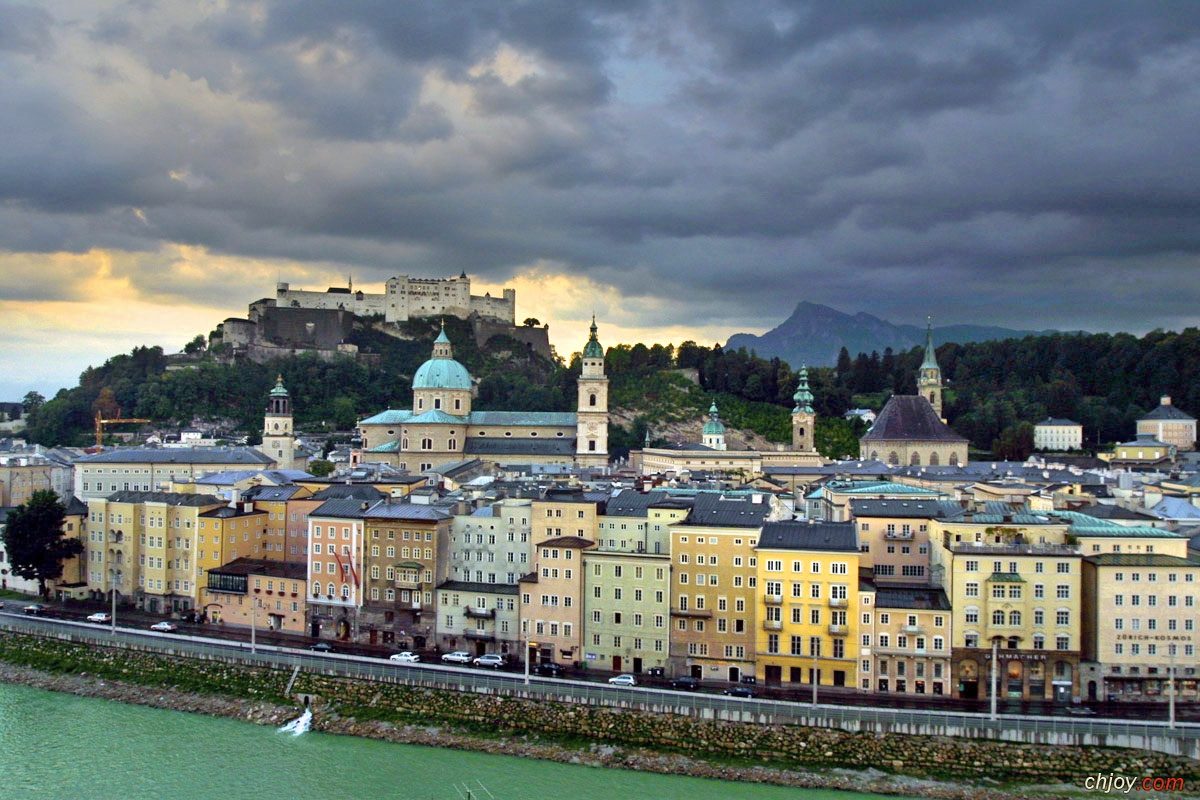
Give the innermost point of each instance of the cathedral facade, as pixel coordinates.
(442, 427)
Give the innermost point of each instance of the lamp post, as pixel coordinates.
(528, 646)
(816, 680)
(1171, 690)
(995, 672)
(115, 574)
(253, 626)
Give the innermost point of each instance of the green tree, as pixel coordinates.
(32, 402)
(35, 542)
(320, 468)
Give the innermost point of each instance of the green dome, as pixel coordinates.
(442, 373)
(279, 391)
(593, 349)
(714, 426)
(803, 396)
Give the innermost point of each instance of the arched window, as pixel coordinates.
(427, 444)
(894, 458)
(316, 588)
(800, 432)
(345, 591)
(332, 589)
(874, 455)
(420, 402)
(934, 460)
(404, 444)
(915, 460)
(954, 459)
(932, 398)
(452, 444)
(1014, 618)
(997, 617)
(591, 400)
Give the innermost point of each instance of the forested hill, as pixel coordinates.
(995, 390)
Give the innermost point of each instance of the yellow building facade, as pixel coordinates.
(807, 603)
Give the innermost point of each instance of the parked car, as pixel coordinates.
(493, 660)
(99, 616)
(624, 679)
(457, 657)
(740, 691)
(191, 616)
(404, 658)
(686, 683)
(33, 608)
(164, 627)
(550, 669)
(321, 647)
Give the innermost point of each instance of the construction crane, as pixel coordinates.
(101, 423)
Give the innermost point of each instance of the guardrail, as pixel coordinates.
(777, 712)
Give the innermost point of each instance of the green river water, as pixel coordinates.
(56, 745)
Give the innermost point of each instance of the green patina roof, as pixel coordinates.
(442, 373)
(930, 361)
(803, 396)
(879, 487)
(279, 391)
(1005, 577)
(1139, 560)
(593, 349)
(392, 416)
(714, 426)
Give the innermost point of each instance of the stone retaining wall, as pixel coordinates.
(573, 733)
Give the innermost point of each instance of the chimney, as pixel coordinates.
(235, 494)
(1166, 400)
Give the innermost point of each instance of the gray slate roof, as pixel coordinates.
(470, 587)
(916, 509)
(910, 418)
(917, 598)
(179, 455)
(170, 498)
(632, 503)
(1168, 412)
(825, 536)
(723, 511)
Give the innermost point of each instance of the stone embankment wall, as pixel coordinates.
(573, 733)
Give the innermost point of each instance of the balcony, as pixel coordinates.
(475, 612)
(838, 602)
(912, 629)
(480, 636)
(898, 535)
(404, 583)
(772, 625)
(693, 612)
(773, 599)
(984, 549)
(838, 630)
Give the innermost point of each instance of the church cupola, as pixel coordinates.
(713, 433)
(278, 440)
(804, 418)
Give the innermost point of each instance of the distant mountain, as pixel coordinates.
(814, 334)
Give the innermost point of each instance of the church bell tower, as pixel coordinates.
(591, 427)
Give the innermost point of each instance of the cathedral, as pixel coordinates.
(441, 426)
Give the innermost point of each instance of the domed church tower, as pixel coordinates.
(441, 383)
(713, 433)
(278, 441)
(591, 428)
(804, 418)
(929, 381)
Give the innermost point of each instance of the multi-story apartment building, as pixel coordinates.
(1170, 425)
(406, 556)
(146, 546)
(893, 536)
(904, 640)
(335, 567)
(144, 469)
(1141, 623)
(259, 593)
(551, 605)
(808, 596)
(490, 550)
(22, 475)
(626, 609)
(714, 585)
(280, 541)
(1015, 585)
(831, 501)
(1057, 435)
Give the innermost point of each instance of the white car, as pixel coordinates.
(99, 616)
(404, 658)
(623, 680)
(493, 660)
(457, 657)
(164, 627)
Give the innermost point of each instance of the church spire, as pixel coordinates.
(930, 361)
(929, 378)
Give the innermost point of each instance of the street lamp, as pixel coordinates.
(815, 645)
(253, 626)
(1171, 690)
(115, 574)
(995, 671)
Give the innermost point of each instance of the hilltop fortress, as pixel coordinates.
(300, 320)
(403, 298)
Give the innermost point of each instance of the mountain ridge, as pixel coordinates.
(814, 334)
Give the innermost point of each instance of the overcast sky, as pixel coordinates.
(684, 169)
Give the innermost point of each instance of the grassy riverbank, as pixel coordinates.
(788, 755)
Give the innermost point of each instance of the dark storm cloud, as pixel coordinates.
(734, 158)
